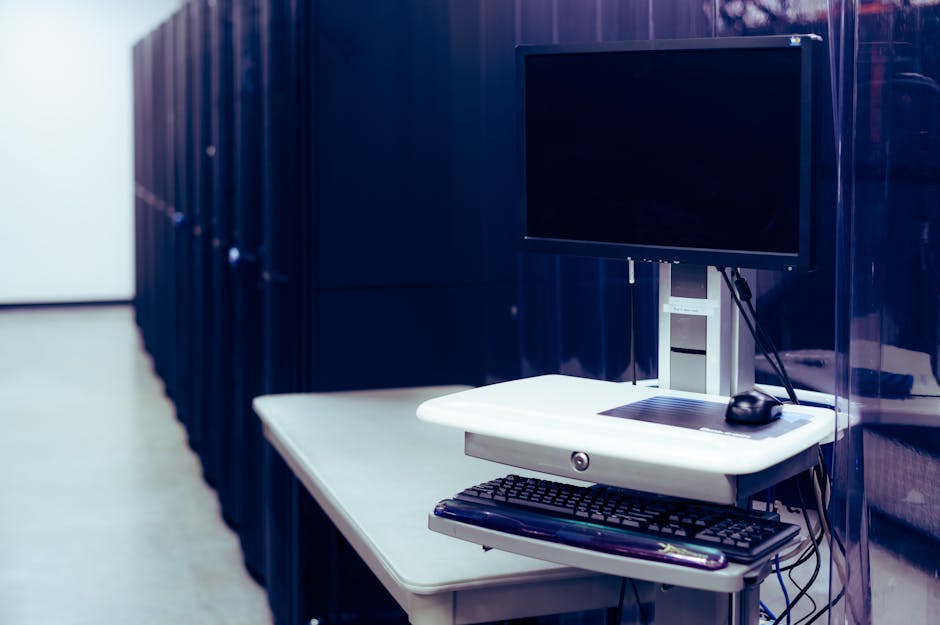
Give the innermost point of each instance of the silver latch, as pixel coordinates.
(580, 461)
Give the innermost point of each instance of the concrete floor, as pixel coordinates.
(104, 517)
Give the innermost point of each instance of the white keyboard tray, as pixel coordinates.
(729, 579)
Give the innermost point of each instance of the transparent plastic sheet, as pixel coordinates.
(888, 459)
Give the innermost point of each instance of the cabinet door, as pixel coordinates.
(382, 338)
(387, 210)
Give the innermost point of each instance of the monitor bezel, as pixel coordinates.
(754, 259)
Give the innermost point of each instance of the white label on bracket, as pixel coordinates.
(690, 306)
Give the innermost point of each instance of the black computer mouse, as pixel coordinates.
(753, 408)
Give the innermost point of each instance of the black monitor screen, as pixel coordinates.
(698, 152)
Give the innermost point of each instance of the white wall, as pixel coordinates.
(66, 139)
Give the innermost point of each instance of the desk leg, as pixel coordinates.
(745, 605)
(431, 609)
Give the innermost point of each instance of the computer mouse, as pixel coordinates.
(753, 407)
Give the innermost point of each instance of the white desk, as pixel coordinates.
(377, 471)
(650, 439)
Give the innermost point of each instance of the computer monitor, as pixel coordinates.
(692, 151)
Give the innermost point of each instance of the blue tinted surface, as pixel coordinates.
(880, 287)
(890, 458)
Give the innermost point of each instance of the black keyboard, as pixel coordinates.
(620, 521)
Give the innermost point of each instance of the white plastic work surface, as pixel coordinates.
(563, 412)
(377, 472)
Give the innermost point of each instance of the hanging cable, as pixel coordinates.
(744, 293)
(639, 604)
(824, 482)
(807, 596)
(753, 331)
(812, 579)
(741, 291)
(814, 533)
(826, 607)
(618, 612)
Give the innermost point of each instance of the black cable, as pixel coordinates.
(807, 553)
(750, 327)
(639, 604)
(824, 477)
(772, 348)
(816, 552)
(742, 286)
(619, 611)
(804, 557)
(810, 550)
(825, 485)
(826, 607)
(742, 293)
(822, 465)
(825, 491)
(811, 600)
(812, 579)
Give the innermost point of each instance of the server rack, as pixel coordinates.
(145, 248)
(217, 430)
(394, 285)
(180, 231)
(285, 192)
(248, 304)
(200, 155)
(301, 543)
(140, 149)
(162, 129)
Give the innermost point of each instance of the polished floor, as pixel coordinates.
(104, 517)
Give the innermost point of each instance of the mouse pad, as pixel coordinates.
(705, 416)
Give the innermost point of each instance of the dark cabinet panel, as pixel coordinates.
(383, 161)
(381, 338)
(199, 216)
(217, 427)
